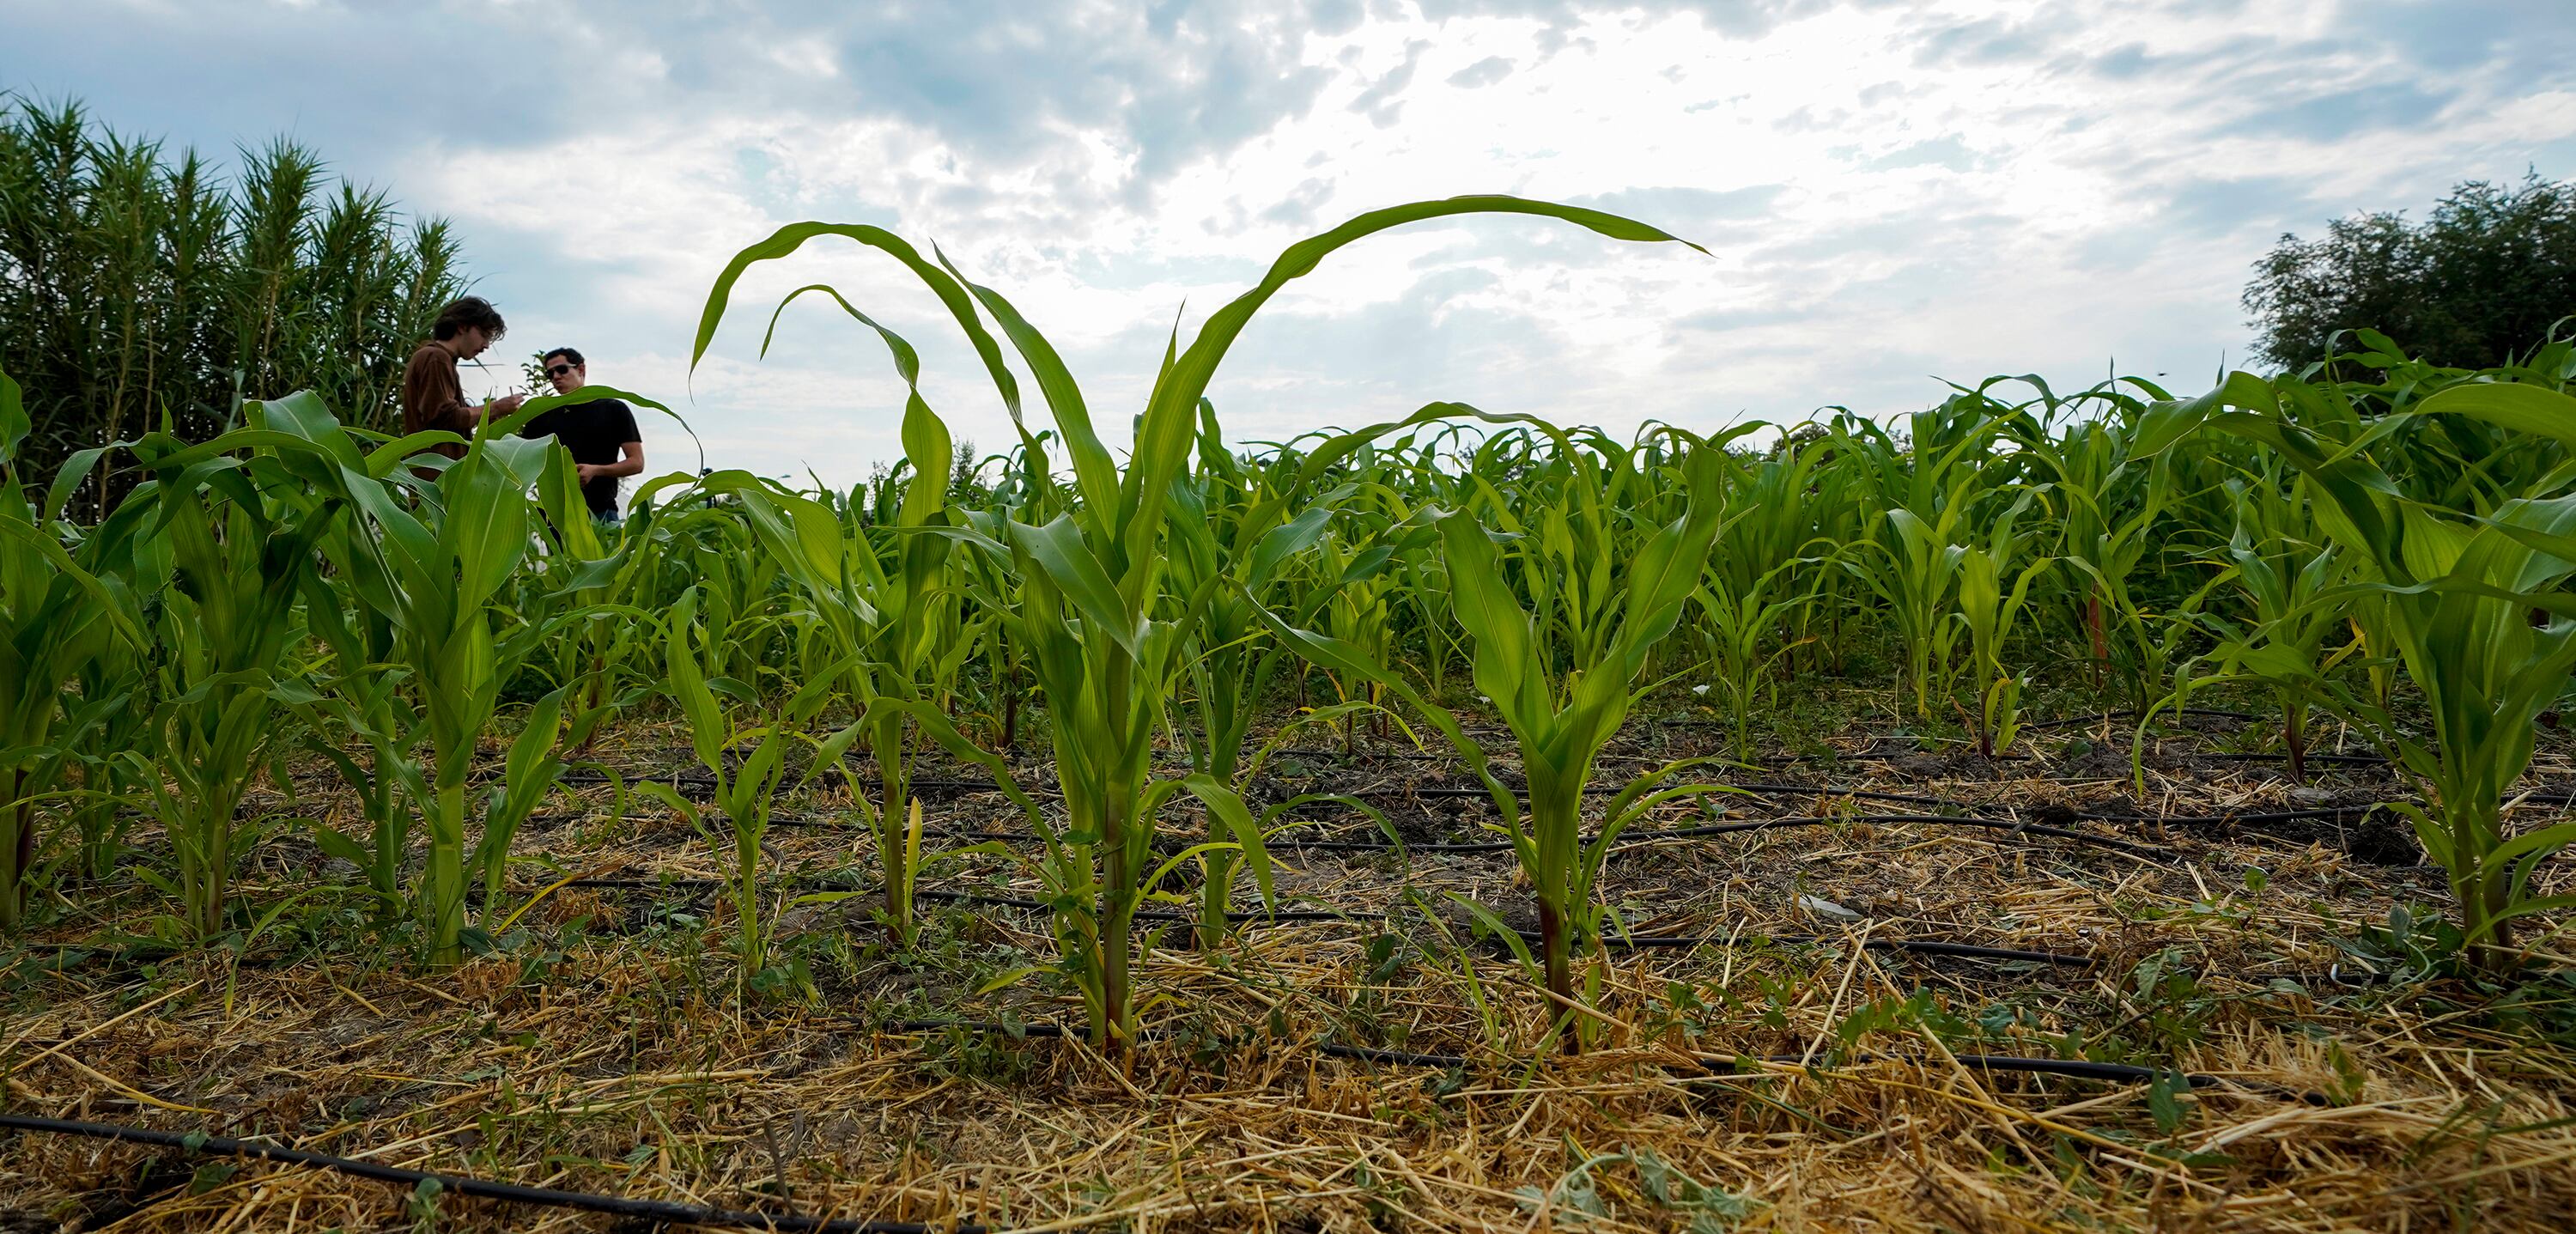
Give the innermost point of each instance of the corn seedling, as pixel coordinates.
(743, 792)
(2452, 598)
(243, 545)
(54, 617)
(883, 620)
(1988, 611)
(434, 571)
(1102, 636)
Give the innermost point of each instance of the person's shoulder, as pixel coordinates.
(428, 353)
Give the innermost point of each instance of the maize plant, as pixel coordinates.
(743, 793)
(115, 707)
(1103, 638)
(434, 571)
(1563, 687)
(884, 622)
(2113, 503)
(594, 572)
(55, 616)
(365, 695)
(1744, 610)
(1987, 611)
(1562, 672)
(1732, 630)
(243, 540)
(1253, 556)
(1239, 564)
(1931, 497)
(2472, 607)
(2281, 575)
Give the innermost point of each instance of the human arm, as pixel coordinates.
(630, 465)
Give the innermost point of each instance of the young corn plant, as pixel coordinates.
(435, 570)
(55, 616)
(1931, 493)
(1735, 634)
(1988, 611)
(2113, 504)
(2280, 576)
(2471, 605)
(884, 621)
(1565, 686)
(1239, 564)
(744, 792)
(1102, 635)
(365, 696)
(243, 541)
(595, 573)
(1743, 613)
(1562, 670)
(114, 710)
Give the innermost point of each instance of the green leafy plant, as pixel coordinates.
(1988, 612)
(1102, 637)
(54, 617)
(2455, 598)
(744, 792)
(242, 539)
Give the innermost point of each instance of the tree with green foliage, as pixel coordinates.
(2489, 274)
(141, 290)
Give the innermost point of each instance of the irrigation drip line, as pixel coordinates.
(1046, 1031)
(1634, 942)
(2208, 712)
(1964, 951)
(1627, 840)
(661, 1212)
(2072, 1068)
(703, 780)
(2338, 760)
(2231, 816)
(1292, 916)
(1992, 824)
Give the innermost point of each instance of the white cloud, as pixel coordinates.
(1889, 190)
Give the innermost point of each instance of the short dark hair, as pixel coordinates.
(572, 356)
(468, 313)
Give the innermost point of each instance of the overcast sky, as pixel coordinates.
(1893, 192)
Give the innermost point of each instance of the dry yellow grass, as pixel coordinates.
(631, 1066)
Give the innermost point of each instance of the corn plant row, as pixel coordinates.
(2391, 554)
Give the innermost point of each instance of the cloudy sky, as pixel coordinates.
(1892, 192)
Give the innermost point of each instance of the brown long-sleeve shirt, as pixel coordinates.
(432, 398)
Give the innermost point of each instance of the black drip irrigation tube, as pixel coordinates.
(2333, 760)
(2080, 1069)
(1964, 951)
(702, 780)
(2212, 713)
(1609, 942)
(659, 1212)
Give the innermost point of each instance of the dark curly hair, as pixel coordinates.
(469, 313)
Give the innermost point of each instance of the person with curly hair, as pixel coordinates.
(432, 397)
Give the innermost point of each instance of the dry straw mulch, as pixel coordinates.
(624, 1056)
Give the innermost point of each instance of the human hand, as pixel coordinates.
(504, 406)
(587, 472)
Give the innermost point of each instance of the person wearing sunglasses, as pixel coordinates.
(600, 433)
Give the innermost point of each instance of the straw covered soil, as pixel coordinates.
(607, 1043)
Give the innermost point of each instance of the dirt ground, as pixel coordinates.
(609, 1044)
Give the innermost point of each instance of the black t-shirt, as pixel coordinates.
(595, 432)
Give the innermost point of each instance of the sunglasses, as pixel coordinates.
(559, 370)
